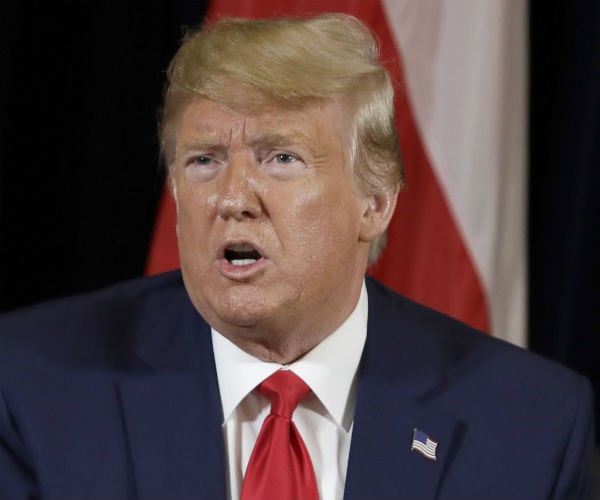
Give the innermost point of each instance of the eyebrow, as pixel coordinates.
(275, 139)
(198, 143)
(265, 139)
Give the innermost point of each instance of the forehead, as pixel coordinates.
(313, 124)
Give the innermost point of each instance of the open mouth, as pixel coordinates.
(242, 255)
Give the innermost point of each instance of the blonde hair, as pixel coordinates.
(292, 62)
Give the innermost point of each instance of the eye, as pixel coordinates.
(285, 158)
(281, 159)
(202, 160)
(282, 164)
(201, 167)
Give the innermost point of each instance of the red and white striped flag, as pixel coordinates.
(457, 240)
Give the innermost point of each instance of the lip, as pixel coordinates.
(243, 272)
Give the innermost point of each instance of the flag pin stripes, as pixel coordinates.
(424, 444)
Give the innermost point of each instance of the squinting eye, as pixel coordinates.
(285, 158)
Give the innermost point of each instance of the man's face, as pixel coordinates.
(271, 226)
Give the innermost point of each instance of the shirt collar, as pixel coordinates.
(329, 368)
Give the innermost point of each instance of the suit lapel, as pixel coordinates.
(175, 437)
(381, 463)
(396, 384)
(172, 413)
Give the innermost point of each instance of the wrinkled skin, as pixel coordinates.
(273, 232)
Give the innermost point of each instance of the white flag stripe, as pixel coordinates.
(421, 446)
(427, 450)
(465, 66)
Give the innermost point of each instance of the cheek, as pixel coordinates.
(321, 221)
(192, 216)
(191, 201)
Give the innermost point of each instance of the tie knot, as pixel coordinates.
(285, 390)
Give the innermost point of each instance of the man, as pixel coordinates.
(284, 164)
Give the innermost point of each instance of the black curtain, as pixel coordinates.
(564, 189)
(80, 176)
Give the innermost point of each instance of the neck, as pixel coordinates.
(274, 348)
(285, 343)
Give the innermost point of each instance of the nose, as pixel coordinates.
(238, 190)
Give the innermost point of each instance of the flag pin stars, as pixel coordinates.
(424, 444)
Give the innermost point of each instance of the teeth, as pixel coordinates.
(241, 254)
(243, 262)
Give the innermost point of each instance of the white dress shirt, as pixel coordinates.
(324, 418)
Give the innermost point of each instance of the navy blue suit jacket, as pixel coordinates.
(114, 395)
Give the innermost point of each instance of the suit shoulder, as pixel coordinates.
(452, 346)
(104, 316)
(484, 381)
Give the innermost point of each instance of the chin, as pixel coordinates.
(241, 310)
(244, 306)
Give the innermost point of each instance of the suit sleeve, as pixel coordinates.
(17, 481)
(575, 480)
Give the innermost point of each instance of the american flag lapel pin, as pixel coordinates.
(424, 444)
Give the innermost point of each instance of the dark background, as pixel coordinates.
(80, 175)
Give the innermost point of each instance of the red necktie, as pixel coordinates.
(280, 466)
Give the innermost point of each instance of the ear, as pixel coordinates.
(377, 214)
(172, 187)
